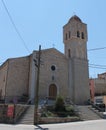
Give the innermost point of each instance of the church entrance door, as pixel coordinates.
(52, 91)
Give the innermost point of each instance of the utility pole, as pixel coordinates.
(36, 99)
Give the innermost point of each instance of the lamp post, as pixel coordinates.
(36, 98)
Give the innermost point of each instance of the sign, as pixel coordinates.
(10, 111)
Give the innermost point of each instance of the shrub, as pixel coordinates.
(69, 108)
(59, 105)
(47, 114)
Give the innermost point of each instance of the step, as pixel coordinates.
(87, 114)
(28, 116)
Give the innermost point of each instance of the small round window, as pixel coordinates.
(53, 68)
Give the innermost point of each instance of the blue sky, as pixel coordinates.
(41, 22)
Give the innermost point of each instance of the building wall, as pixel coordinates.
(104, 100)
(32, 76)
(102, 76)
(18, 77)
(92, 89)
(81, 81)
(59, 77)
(3, 78)
(97, 87)
(100, 86)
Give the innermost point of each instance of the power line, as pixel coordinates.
(98, 65)
(95, 65)
(15, 27)
(96, 49)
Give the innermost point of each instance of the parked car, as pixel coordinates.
(100, 107)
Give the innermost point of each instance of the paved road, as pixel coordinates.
(85, 125)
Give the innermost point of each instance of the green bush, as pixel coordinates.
(44, 114)
(59, 105)
(47, 114)
(59, 109)
(69, 108)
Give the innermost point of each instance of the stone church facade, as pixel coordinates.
(60, 74)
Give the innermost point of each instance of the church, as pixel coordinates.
(65, 74)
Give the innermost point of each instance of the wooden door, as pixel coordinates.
(52, 91)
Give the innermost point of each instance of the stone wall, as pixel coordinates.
(59, 77)
(3, 78)
(18, 77)
(45, 120)
(18, 110)
(81, 81)
(3, 113)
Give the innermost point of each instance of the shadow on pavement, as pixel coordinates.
(40, 128)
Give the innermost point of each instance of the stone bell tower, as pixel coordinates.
(75, 46)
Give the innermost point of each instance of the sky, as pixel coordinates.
(26, 24)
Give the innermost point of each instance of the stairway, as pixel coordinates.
(28, 116)
(86, 113)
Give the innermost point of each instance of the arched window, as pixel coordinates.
(69, 53)
(82, 35)
(69, 33)
(78, 34)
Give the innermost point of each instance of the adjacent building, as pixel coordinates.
(98, 88)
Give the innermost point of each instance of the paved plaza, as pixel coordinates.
(84, 125)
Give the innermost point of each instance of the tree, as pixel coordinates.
(59, 105)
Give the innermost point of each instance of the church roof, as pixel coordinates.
(50, 50)
(76, 18)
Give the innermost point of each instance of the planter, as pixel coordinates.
(48, 120)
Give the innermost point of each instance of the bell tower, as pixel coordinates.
(75, 47)
(75, 38)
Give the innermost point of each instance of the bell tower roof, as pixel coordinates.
(76, 18)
